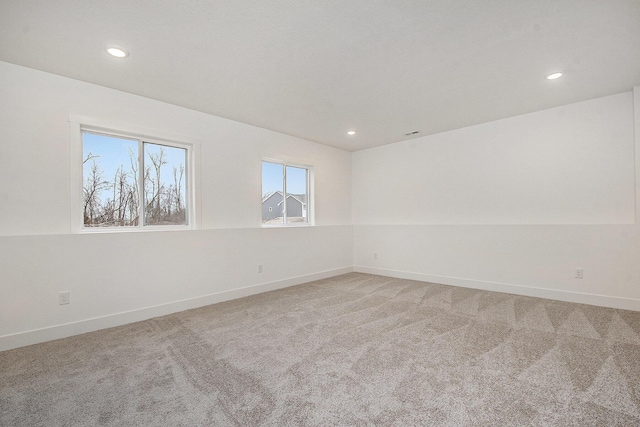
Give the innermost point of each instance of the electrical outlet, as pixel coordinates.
(259, 268)
(579, 273)
(375, 255)
(63, 298)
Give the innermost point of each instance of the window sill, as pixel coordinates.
(117, 230)
(293, 225)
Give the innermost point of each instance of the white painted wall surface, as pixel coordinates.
(514, 205)
(147, 273)
(534, 260)
(567, 165)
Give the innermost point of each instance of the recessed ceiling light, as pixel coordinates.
(351, 132)
(554, 76)
(117, 52)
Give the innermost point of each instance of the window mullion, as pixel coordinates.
(141, 186)
(284, 194)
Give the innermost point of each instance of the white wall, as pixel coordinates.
(513, 205)
(567, 165)
(148, 273)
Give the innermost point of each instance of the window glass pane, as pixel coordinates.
(296, 194)
(165, 185)
(272, 191)
(110, 181)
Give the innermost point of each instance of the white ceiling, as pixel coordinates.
(316, 68)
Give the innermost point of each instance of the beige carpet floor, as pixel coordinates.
(353, 350)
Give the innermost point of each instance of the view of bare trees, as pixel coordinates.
(164, 204)
(114, 200)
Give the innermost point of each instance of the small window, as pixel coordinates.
(285, 194)
(133, 183)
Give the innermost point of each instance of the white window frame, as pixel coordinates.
(78, 125)
(310, 194)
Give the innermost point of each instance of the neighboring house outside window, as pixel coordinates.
(273, 207)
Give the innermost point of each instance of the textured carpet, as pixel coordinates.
(353, 350)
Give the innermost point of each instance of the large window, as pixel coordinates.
(130, 182)
(285, 194)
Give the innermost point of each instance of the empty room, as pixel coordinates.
(319, 213)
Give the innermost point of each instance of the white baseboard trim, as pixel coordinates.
(578, 297)
(21, 339)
